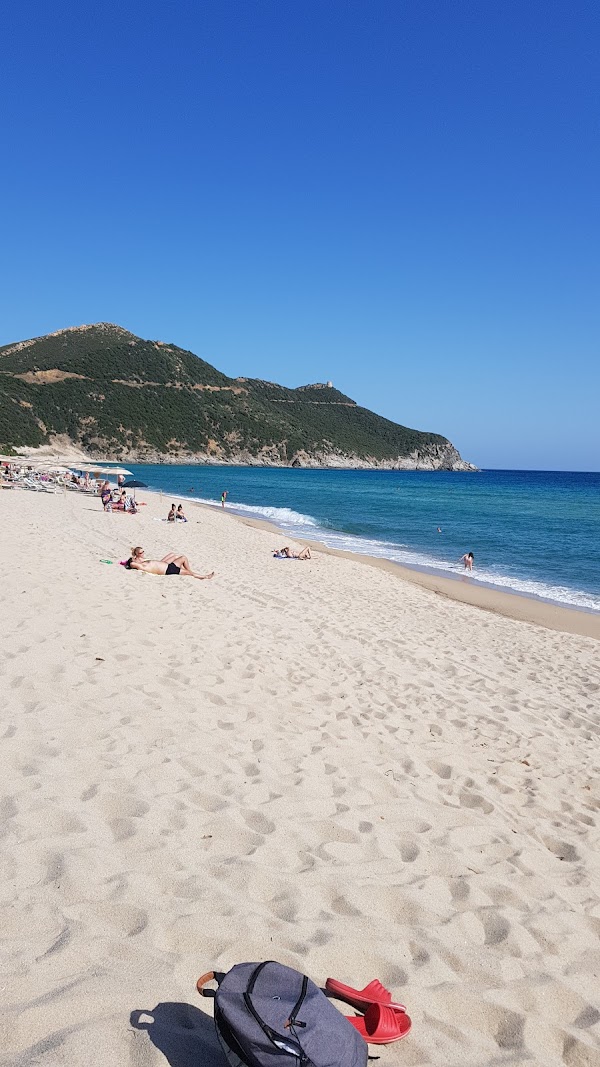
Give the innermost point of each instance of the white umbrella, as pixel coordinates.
(58, 468)
(96, 468)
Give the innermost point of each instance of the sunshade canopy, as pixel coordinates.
(54, 468)
(97, 468)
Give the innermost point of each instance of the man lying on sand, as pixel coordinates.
(169, 564)
(286, 553)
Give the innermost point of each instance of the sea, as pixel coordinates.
(535, 533)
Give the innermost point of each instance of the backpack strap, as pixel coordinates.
(293, 1021)
(210, 976)
(291, 1045)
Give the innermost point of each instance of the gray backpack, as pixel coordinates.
(268, 1015)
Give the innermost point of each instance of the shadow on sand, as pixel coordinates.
(184, 1034)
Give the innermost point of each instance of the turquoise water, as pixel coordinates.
(532, 532)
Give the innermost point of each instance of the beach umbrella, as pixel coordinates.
(54, 468)
(121, 470)
(134, 484)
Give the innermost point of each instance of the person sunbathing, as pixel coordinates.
(169, 564)
(286, 553)
(179, 514)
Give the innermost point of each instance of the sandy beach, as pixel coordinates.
(316, 762)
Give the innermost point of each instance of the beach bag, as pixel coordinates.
(268, 1015)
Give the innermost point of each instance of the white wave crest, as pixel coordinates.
(282, 516)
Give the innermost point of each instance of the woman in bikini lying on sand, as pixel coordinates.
(169, 564)
(286, 553)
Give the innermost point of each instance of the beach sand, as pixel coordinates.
(315, 762)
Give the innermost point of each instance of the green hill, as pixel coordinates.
(120, 397)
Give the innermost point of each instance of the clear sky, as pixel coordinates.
(399, 195)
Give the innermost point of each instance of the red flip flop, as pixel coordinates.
(373, 993)
(381, 1025)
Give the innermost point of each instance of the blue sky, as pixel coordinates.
(399, 196)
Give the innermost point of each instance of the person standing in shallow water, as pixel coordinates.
(468, 560)
(223, 498)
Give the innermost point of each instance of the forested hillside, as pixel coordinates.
(118, 396)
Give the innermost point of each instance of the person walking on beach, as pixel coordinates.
(223, 498)
(468, 559)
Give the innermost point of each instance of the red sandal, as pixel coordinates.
(381, 1024)
(373, 993)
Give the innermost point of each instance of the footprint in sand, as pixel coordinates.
(496, 928)
(562, 849)
(443, 770)
(321, 937)
(473, 800)
(8, 808)
(459, 889)
(259, 823)
(420, 956)
(284, 908)
(122, 828)
(55, 868)
(214, 698)
(251, 770)
(409, 850)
